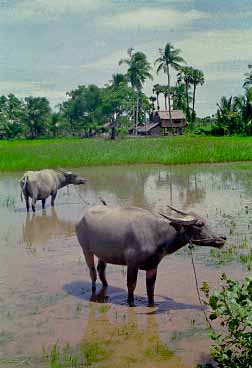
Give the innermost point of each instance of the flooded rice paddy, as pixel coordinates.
(45, 287)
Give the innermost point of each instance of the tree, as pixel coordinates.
(157, 89)
(138, 71)
(227, 120)
(180, 97)
(169, 58)
(37, 115)
(243, 106)
(11, 115)
(248, 77)
(197, 78)
(186, 75)
(81, 109)
(118, 79)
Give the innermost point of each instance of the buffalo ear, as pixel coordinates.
(68, 174)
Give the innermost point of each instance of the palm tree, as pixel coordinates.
(197, 78)
(169, 58)
(137, 73)
(165, 92)
(157, 89)
(243, 106)
(248, 79)
(186, 75)
(118, 79)
(179, 97)
(227, 116)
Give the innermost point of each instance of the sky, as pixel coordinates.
(49, 47)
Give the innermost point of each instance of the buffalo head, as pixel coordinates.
(73, 178)
(195, 229)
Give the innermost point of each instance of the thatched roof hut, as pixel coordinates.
(178, 118)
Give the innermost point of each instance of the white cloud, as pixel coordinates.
(152, 18)
(107, 62)
(217, 46)
(42, 11)
(27, 88)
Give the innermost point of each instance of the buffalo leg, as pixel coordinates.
(101, 271)
(91, 265)
(151, 276)
(53, 198)
(27, 203)
(43, 203)
(34, 200)
(132, 272)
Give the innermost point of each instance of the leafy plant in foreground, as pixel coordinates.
(232, 306)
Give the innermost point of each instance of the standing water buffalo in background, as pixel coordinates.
(138, 239)
(39, 185)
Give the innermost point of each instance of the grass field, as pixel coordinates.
(20, 155)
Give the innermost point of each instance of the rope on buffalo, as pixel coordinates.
(86, 202)
(190, 246)
(80, 196)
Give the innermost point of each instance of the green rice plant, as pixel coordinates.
(104, 308)
(8, 202)
(73, 152)
(88, 354)
(158, 351)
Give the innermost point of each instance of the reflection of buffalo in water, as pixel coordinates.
(38, 229)
(127, 340)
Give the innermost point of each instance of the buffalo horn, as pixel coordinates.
(178, 211)
(187, 220)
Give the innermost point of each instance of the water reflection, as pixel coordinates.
(38, 228)
(222, 192)
(144, 186)
(128, 339)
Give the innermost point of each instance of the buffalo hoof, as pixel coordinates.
(132, 304)
(151, 303)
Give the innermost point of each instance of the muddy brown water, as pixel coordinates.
(44, 283)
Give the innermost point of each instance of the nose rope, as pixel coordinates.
(80, 196)
(191, 247)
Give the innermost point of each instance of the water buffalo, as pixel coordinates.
(39, 185)
(138, 239)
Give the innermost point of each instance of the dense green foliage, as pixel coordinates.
(234, 114)
(232, 306)
(119, 106)
(74, 152)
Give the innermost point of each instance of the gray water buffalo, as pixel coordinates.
(138, 239)
(39, 185)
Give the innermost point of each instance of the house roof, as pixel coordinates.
(175, 114)
(148, 127)
(108, 125)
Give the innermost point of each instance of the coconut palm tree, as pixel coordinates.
(228, 121)
(117, 79)
(179, 97)
(186, 75)
(169, 58)
(138, 71)
(157, 89)
(248, 79)
(197, 78)
(243, 105)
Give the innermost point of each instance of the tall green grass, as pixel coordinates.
(20, 155)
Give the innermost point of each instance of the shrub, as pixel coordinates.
(232, 306)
